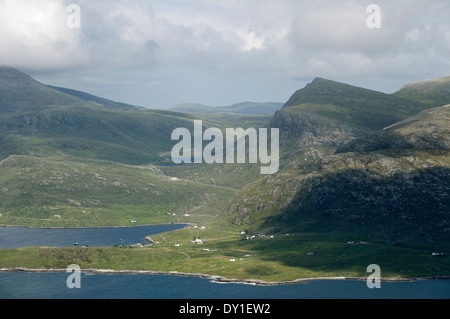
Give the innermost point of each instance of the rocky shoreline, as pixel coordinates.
(219, 279)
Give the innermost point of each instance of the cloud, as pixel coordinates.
(34, 34)
(275, 38)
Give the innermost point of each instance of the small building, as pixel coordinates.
(437, 254)
(198, 241)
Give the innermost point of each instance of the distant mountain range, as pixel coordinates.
(238, 108)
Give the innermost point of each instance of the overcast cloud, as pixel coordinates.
(160, 53)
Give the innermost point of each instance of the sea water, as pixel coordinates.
(16, 237)
(25, 285)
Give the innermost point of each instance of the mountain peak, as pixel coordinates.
(321, 90)
(11, 78)
(318, 80)
(20, 92)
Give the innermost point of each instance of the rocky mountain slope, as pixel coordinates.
(391, 184)
(325, 115)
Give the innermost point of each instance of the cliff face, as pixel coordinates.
(303, 129)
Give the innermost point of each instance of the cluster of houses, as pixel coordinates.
(249, 237)
(197, 241)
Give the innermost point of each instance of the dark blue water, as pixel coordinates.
(16, 237)
(22, 285)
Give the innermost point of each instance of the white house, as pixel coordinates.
(198, 241)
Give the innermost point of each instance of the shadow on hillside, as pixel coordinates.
(408, 209)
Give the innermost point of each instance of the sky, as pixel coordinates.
(159, 53)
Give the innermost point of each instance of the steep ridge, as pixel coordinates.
(325, 115)
(92, 99)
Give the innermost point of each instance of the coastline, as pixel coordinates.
(212, 278)
(216, 278)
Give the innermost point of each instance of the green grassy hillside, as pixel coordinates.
(62, 191)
